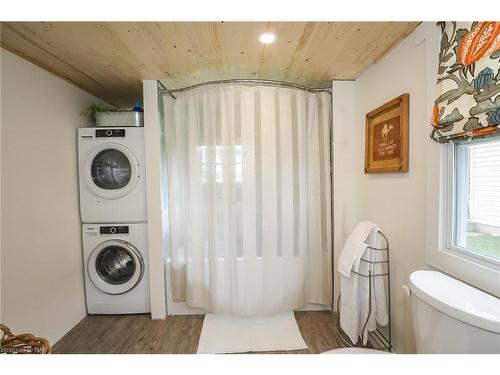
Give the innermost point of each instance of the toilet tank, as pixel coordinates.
(450, 316)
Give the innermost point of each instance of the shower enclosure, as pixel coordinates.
(247, 197)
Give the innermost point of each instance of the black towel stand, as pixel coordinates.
(378, 339)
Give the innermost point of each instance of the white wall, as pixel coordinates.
(42, 286)
(1, 171)
(397, 202)
(153, 139)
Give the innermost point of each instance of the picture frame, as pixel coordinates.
(386, 137)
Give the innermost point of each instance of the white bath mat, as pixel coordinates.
(236, 334)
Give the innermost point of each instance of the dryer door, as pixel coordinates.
(111, 171)
(115, 267)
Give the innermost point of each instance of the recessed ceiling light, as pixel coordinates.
(267, 38)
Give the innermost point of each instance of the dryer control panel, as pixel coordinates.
(106, 133)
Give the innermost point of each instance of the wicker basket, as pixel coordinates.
(24, 343)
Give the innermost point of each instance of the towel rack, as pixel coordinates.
(377, 338)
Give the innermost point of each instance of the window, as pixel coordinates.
(474, 209)
(223, 165)
(220, 157)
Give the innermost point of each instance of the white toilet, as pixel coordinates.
(452, 317)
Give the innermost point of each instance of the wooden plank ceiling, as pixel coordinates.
(109, 59)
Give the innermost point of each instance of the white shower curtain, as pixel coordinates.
(249, 193)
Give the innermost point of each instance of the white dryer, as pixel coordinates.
(116, 268)
(112, 175)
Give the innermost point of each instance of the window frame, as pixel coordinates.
(452, 192)
(461, 265)
(437, 255)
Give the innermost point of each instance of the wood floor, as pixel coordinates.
(175, 335)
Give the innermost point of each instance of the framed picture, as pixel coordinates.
(386, 137)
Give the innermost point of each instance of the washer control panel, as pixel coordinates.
(120, 229)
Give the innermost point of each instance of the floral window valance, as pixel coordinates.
(468, 85)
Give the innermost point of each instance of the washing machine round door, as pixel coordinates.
(111, 170)
(115, 267)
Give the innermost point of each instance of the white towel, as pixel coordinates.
(349, 306)
(378, 303)
(354, 308)
(355, 247)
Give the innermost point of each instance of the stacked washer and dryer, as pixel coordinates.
(113, 215)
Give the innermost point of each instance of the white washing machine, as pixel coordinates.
(116, 268)
(112, 175)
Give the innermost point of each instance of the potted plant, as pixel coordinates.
(92, 111)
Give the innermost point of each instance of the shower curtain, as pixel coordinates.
(249, 198)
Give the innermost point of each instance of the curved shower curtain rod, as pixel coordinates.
(269, 82)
